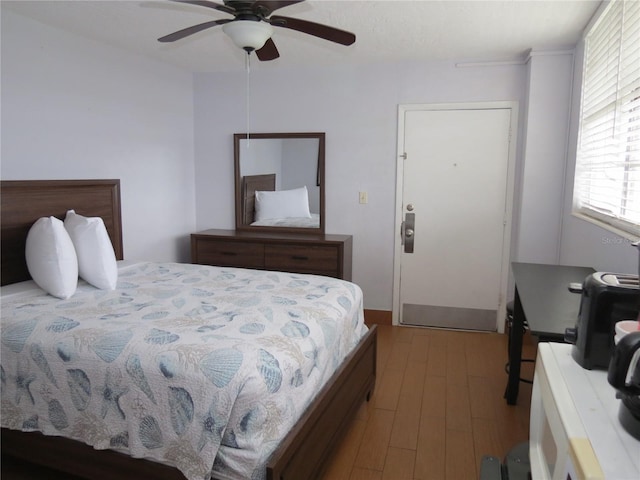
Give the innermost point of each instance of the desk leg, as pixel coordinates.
(515, 351)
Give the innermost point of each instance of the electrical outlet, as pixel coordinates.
(364, 198)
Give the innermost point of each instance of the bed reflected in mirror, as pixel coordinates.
(279, 182)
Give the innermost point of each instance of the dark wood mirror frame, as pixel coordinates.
(244, 190)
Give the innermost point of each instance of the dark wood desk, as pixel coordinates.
(542, 297)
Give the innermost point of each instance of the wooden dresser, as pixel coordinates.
(321, 254)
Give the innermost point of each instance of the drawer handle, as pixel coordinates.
(230, 254)
(299, 257)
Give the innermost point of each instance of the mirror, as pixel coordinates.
(279, 182)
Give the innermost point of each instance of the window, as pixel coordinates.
(607, 185)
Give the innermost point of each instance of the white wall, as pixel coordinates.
(357, 107)
(73, 108)
(544, 160)
(300, 161)
(263, 157)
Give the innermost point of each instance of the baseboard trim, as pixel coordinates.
(378, 317)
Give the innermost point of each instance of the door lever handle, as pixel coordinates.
(408, 232)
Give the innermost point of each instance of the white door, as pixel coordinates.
(454, 182)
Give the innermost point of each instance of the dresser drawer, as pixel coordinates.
(230, 254)
(322, 260)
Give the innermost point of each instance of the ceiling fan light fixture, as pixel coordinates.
(248, 34)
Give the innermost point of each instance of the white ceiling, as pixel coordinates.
(386, 30)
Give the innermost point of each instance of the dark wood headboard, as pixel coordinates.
(24, 201)
(251, 183)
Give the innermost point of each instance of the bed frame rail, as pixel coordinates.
(305, 451)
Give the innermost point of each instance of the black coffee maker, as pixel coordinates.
(624, 376)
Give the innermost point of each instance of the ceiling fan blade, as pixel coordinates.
(172, 37)
(205, 3)
(269, 6)
(316, 29)
(268, 51)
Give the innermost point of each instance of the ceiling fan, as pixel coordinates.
(251, 27)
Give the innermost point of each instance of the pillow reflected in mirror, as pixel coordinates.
(282, 204)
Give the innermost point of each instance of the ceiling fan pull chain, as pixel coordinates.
(248, 69)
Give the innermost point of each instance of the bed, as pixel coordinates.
(311, 428)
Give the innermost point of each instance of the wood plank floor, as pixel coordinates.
(436, 410)
(438, 407)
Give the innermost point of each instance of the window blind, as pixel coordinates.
(607, 184)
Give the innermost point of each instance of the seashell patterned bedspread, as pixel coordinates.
(202, 368)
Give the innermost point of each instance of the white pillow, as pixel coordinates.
(51, 258)
(282, 204)
(96, 258)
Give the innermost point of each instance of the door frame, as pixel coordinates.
(508, 220)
